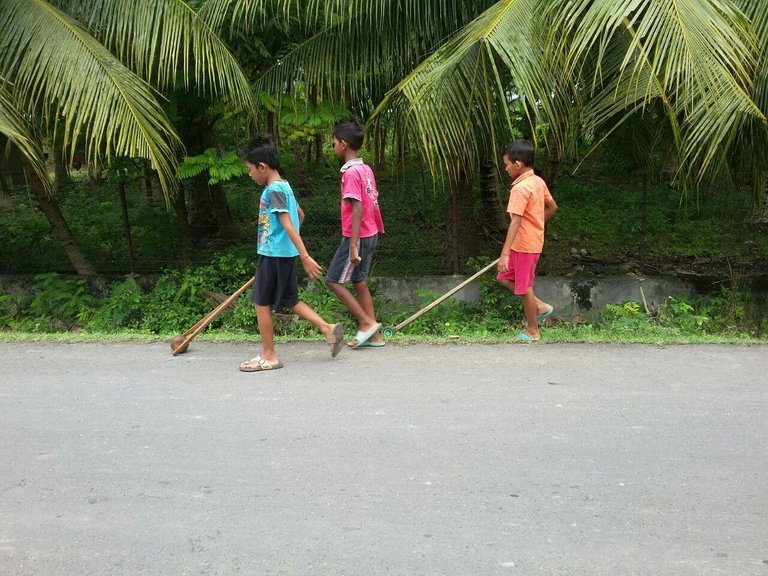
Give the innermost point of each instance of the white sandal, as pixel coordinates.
(261, 365)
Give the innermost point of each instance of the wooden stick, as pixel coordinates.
(190, 334)
(446, 295)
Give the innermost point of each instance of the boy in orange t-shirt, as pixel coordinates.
(530, 206)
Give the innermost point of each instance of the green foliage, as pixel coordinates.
(178, 299)
(56, 304)
(121, 309)
(221, 166)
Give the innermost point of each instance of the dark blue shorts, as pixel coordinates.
(275, 283)
(341, 270)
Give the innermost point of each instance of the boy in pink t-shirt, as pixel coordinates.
(361, 224)
(530, 206)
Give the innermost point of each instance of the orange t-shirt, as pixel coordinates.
(527, 197)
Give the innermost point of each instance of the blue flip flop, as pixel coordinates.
(523, 337)
(362, 337)
(369, 344)
(541, 317)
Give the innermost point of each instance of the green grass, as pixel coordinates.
(583, 334)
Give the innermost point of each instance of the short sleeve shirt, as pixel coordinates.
(272, 238)
(527, 198)
(358, 184)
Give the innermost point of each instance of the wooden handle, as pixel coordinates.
(446, 295)
(190, 334)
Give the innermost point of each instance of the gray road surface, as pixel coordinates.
(418, 460)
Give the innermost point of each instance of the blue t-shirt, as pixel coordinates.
(273, 239)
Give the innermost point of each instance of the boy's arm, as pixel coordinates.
(514, 226)
(301, 215)
(357, 220)
(550, 207)
(312, 268)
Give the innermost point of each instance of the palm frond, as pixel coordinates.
(164, 42)
(459, 100)
(698, 56)
(355, 49)
(19, 131)
(57, 69)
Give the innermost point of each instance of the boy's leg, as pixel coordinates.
(365, 300)
(267, 333)
(348, 299)
(334, 333)
(531, 311)
(340, 271)
(508, 281)
(306, 312)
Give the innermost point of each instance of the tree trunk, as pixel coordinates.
(126, 225)
(402, 146)
(319, 156)
(453, 230)
(5, 191)
(228, 229)
(52, 212)
(185, 232)
(301, 173)
(61, 178)
(147, 186)
(463, 227)
(379, 147)
(494, 219)
(551, 169)
(760, 214)
(643, 213)
(200, 214)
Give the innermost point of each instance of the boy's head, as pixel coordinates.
(347, 134)
(518, 158)
(260, 156)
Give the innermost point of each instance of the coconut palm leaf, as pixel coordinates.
(165, 42)
(18, 130)
(459, 100)
(356, 49)
(58, 70)
(697, 56)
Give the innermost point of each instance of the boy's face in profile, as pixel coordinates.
(257, 172)
(514, 168)
(339, 146)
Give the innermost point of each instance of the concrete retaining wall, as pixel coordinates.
(569, 296)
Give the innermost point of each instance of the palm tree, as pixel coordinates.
(460, 71)
(91, 70)
(455, 63)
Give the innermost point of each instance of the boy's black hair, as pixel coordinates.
(521, 150)
(351, 131)
(260, 149)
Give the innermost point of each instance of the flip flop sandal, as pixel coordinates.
(523, 337)
(362, 337)
(261, 365)
(336, 339)
(541, 317)
(370, 344)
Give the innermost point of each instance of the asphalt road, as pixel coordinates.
(446, 460)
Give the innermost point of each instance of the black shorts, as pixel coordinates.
(275, 283)
(341, 270)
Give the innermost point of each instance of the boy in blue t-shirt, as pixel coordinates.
(279, 242)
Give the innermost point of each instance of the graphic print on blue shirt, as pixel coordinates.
(272, 237)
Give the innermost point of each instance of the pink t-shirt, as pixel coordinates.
(358, 183)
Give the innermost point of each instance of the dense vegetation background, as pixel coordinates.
(120, 124)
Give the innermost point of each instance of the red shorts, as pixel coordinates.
(521, 269)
